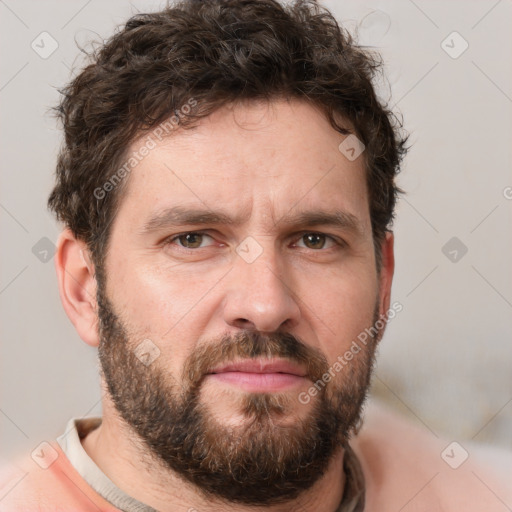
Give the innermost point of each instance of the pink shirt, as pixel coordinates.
(405, 467)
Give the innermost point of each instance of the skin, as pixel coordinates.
(258, 162)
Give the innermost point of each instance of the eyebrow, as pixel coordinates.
(336, 218)
(181, 216)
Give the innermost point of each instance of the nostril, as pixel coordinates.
(243, 323)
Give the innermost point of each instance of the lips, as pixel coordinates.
(261, 375)
(261, 366)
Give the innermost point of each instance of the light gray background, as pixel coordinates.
(445, 360)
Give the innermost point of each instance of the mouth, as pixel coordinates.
(259, 375)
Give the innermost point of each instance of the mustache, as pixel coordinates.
(248, 344)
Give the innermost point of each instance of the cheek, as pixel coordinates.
(168, 306)
(340, 306)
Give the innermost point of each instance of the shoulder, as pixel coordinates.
(46, 481)
(409, 468)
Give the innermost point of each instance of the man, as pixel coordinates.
(227, 188)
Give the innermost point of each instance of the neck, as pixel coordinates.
(123, 457)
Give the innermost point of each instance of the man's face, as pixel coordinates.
(247, 238)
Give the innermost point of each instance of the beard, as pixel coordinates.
(262, 461)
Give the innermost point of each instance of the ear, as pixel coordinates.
(386, 273)
(77, 286)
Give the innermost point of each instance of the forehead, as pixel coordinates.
(264, 158)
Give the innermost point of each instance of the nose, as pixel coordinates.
(260, 296)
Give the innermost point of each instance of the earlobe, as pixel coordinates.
(386, 272)
(77, 286)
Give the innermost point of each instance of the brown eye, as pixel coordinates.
(314, 240)
(190, 240)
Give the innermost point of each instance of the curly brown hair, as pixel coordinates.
(217, 52)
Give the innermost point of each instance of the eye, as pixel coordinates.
(317, 241)
(191, 240)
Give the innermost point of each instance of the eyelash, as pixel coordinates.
(170, 240)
